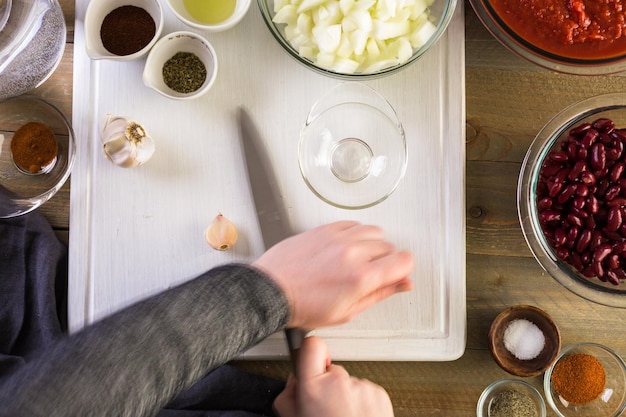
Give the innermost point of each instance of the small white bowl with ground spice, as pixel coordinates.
(122, 30)
(587, 379)
(524, 340)
(37, 151)
(511, 397)
(181, 65)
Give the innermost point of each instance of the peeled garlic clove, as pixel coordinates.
(221, 233)
(125, 142)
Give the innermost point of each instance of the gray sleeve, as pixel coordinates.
(135, 361)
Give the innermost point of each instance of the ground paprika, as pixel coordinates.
(34, 148)
(579, 378)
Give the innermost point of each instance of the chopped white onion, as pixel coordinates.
(349, 36)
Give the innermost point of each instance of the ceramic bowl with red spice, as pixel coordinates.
(29, 174)
(587, 379)
(572, 198)
(569, 37)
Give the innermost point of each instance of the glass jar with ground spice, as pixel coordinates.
(34, 148)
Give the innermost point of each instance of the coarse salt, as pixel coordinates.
(524, 339)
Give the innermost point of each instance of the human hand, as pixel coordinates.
(333, 272)
(326, 390)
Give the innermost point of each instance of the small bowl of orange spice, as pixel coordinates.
(587, 379)
(37, 152)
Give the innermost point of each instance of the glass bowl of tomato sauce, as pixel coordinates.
(573, 37)
(571, 198)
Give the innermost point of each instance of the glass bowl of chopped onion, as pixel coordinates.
(587, 379)
(571, 198)
(357, 40)
(37, 151)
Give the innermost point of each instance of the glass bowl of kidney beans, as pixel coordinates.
(572, 198)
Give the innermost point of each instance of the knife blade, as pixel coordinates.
(270, 210)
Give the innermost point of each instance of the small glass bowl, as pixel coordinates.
(611, 403)
(492, 391)
(612, 106)
(352, 151)
(515, 42)
(22, 192)
(441, 10)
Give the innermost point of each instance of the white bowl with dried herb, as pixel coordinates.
(181, 65)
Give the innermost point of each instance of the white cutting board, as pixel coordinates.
(135, 232)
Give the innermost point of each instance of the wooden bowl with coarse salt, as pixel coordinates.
(524, 340)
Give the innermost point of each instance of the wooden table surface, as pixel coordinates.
(508, 101)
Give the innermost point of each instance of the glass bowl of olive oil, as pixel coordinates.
(210, 15)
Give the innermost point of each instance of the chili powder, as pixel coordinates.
(579, 378)
(126, 30)
(34, 147)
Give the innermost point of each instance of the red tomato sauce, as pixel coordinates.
(586, 29)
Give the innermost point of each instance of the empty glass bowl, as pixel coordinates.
(352, 151)
(20, 191)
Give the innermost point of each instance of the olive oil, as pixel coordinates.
(210, 11)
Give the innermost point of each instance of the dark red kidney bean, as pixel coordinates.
(604, 139)
(619, 247)
(562, 253)
(549, 216)
(561, 176)
(612, 277)
(572, 235)
(576, 170)
(554, 188)
(584, 240)
(560, 237)
(576, 262)
(617, 171)
(574, 220)
(612, 261)
(593, 205)
(580, 129)
(558, 156)
(621, 274)
(586, 258)
(619, 134)
(589, 272)
(588, 178)
(613, 154)
(596, 240)
(603, 125)
(611, 236)
(566, 193)
(602, 252)
(571, 149)
(544, 203)
(598, 269)
(617, 201)
(590, 223)
(598, 156)
(581, 214)
(550, 169)
(612, 192)
(614, 219)
(582, 190)
(589, 138)
(578, 203)
(583, 153)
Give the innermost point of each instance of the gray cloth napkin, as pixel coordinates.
(33, 300)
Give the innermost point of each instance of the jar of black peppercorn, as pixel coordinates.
(122, 30)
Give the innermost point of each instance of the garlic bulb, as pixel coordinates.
(221, 233)
(125, 142)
